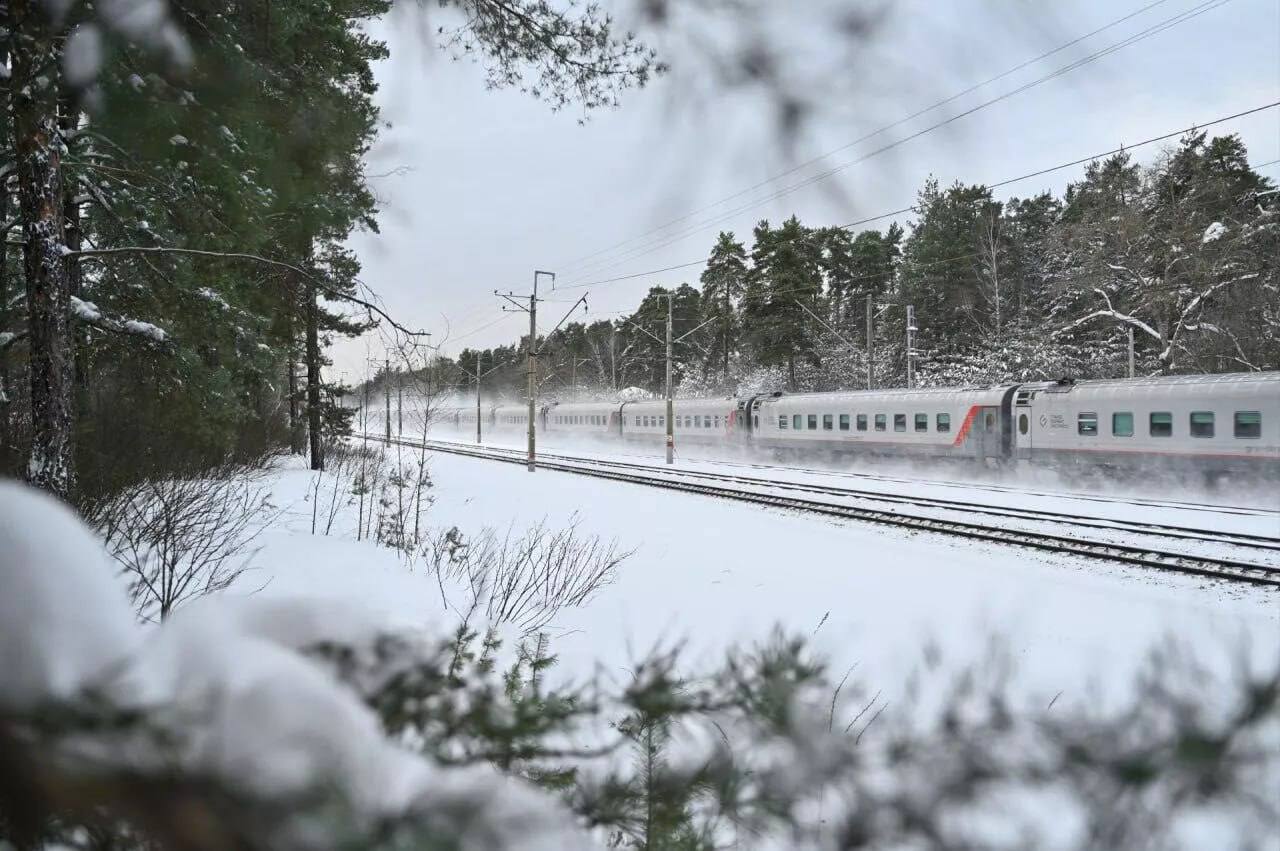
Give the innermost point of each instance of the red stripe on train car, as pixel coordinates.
(966, 425)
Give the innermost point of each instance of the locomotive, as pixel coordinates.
(1206, 424)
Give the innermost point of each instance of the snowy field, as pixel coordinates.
(709, 574)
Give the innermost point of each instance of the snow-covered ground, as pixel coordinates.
(709, 573)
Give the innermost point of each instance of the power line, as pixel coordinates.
(1006, 182)
(820, 157)
(663, 242)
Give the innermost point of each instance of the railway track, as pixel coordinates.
(1249, 558)
(1080, 496)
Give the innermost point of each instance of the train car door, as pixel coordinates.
(1023, 419)
(987, 432)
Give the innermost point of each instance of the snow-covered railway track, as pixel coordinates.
(992, 487)
(1232, 556)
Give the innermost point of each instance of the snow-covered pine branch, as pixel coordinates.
(90, 314)
(328, 291)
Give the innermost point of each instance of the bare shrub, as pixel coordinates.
(524, 580)
(181, 538)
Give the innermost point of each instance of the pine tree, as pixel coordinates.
(942, 269)
(724, 282)
(786, 273)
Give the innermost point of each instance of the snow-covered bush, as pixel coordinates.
(179, 538)
(248, 724)
(214, 730)
(525, 579)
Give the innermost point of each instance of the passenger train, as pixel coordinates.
(1212, 425)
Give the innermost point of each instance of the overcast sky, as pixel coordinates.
(482, 187)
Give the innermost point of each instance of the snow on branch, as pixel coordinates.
(328, 291)
(88, 312)
(1111, 313)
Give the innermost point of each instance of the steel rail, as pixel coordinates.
(1228, 569)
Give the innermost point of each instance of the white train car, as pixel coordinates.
(1215, 424)
(969, 423)
(511, 417)
(585, 418)
(702, 421)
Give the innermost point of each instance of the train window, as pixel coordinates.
(844, 422)
(862, 422)
(1202, 423)
(797, 422)
(1087, 424)
(899, 422)
(943, 422)
(756, 422)
(1023, 423)
(828, 422)
(782, 422)
(922, 422)
(697, 421)
(881, 419)
(1122, 424)
(662, 421)
(813, 422)
(1248, 424)
(1161, 424)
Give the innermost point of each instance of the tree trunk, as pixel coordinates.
(34, 106)
(728, 320)
(296, 438)
(74, 239)
(313, 381)
(6, 400)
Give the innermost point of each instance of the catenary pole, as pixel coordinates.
(871, 338)
(532, 389)
(1131, 365)
(531, 370)
(478, 435)
(911, 354)
(671, 425)
(386, 390)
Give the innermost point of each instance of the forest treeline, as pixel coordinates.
(1184, 251)
(178, 182)
(176, 197)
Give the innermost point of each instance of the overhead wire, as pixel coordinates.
(820, 157)
(998, 184)
(665, 241)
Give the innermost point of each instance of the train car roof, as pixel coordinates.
(660, 405)
(583, 407)
(1227, 384)
(925, 394)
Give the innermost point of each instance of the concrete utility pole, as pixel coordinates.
(911, 352)
(671, 408)
(532, 390)
(1131, 369)
(478, 435)
(871, 338)
(400, 408)
(532, 372)
(669, 342)
(386, 388)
